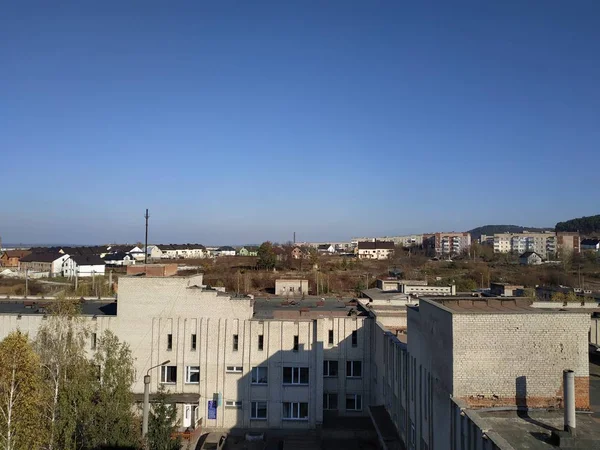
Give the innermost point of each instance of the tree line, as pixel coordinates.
(584, 225)
(56, 394)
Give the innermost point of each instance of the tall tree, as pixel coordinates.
(266, 256)
(67, 374)
(162, 424)
(114, 423)
(21, 394)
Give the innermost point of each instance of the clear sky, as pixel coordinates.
(237, 122)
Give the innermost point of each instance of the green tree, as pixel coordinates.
(67, 374)
(21, 394)
(559, 297)
(266, 256)
(162, 424)
(114, 423)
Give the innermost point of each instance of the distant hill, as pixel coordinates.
(493, 229)
(585, 225)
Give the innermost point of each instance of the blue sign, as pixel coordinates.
(212, 410)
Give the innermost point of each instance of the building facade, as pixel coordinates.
(291, 286)
(547, 244)
(449, 244)
(375, 249)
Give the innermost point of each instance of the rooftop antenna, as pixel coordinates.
(146, 216)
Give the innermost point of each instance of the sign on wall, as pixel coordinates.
(212, 410)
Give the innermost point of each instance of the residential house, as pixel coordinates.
(119, 259)
(248, 251)
(48, 263)
(375, 249)
(590, 244)
(83, 266)
(530, 259)
(506, 289)
(10, 258)
(136, 252)
(177, 251)
(225, 251)
(299, 253)
(326, 249)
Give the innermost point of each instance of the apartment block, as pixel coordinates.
(447, 243)
(546, 244)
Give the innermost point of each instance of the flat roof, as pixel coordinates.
(493, 305)
(379, 294)
(308, 307)
(533, 429)
(39, 306)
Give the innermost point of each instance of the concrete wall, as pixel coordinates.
(518, 359)
(286, 287)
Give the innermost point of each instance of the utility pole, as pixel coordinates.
(294, 237)
(146, 216)
(26, 282)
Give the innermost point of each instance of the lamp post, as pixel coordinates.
(147, 397)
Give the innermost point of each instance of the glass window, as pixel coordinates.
(295, 343)
(295, 411)
(234, 369)
(261, 342)
(235, 342)
(193, 342)
(192, 374)
(233, 404)
(260, 375)
(330, 368)
(93, 343)
(295, 375)
(258, 410)
(354, 402)
(330, 337)
(354, 369)
(169, 342)
(330, 401)
(168, 374)
(355, 338)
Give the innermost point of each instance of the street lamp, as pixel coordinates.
(147, 397)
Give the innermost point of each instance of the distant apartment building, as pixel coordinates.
(404, 241)
(546, 244)
(375, 249)
(447, 243)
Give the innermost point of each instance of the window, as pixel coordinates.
(233, 404)
(354, 402)
(330, 368)
(295, 375)
(296, 343)
(330, 401)
(93, 343)
(169, 342)
(260, 375)
(234, 369)
(193, 342)
(354, 369)
(295, 411)
(168, 374)
(192, 374)
(330, 337)
(258, 410)
(235, 342)
(261, 342)
(355, 338)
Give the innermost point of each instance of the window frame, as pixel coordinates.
(233, 404)
(254, 408)
(327, 363)
(234, 369)
(194, 342)
(350, 364)
(164, 370)
(236, 342)
(295, 411)
(355, 338)
(261, 342)
(169, 342)
(189, 370)
(255, 379)
(357, 399)
(327, 396)
(330, 337)
(296, 343)
(296, 376)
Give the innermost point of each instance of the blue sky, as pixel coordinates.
(237, 122)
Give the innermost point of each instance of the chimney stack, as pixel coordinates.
(569, 400)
